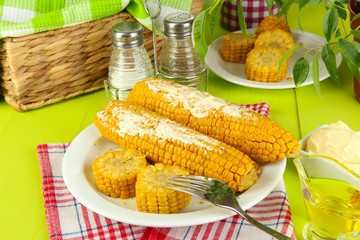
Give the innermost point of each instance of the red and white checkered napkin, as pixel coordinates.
(69, 219)
(254, 12)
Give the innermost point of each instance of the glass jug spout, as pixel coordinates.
(318, 166)
(331, 194)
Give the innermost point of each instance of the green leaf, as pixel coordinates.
(300, 71)
(200, 43)
(315, 73)
(285, 7)
(299, 21)
(356, 45)
(338, 33)
(356, 33)
(302, 3)
(287, 54)
(213, 20)
(242, 20)
(270, 4)
(350, 51)
(279, 3)
(328, 56)
(354, 69)
(355, 17)
(340, 9)
(330, 23)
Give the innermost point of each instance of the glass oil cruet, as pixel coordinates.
(129, 62)
(331, 194)
(178, 59)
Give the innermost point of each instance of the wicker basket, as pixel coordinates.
(44, 68)
(47, 67)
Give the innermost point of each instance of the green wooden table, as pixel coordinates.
(22, 214)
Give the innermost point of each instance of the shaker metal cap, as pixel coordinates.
(178, 24)
(127, 35)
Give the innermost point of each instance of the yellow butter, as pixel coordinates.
(338, 141)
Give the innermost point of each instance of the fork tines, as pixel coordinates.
(187, 183)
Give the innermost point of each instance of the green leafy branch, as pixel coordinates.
(337, 40)
(334, 40)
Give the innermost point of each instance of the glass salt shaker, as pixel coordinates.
(178, 60)
(129, 62)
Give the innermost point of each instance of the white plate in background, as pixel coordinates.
(235, 72)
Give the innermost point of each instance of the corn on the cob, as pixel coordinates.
(168, 142)
(236, 46)
(262, 65)
(271, 23)
(115, 172)
(152, 197)
(254, 134)
(277, 38)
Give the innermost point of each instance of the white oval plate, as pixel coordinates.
(235, 72)
(89, 144)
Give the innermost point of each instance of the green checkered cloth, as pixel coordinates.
(24, 17)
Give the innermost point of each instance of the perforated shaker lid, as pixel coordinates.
(178, 24)
(127, 34)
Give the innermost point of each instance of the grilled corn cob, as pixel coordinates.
(115, 172)
(277, 38)
(254, 134)
(236, 46)
(271, 23)
(152, 197)
(262, 65)
(168, 142)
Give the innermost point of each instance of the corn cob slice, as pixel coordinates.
(152, 197)
(168, 142)
(262, 65)
(254, 134)
(271, 23)
(115, 172)
(236, 46)
(277, 38)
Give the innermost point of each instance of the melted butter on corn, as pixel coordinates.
(136, 124)
(200, 104)
(252, 133)
(165, 141)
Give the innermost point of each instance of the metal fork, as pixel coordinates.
(217, 193)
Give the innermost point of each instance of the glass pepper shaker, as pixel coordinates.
(178, 60)
(129, 62)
